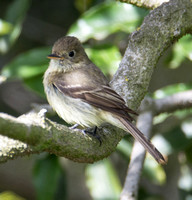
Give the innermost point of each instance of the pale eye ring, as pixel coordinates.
(71, 53)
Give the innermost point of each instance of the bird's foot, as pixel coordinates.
(90, 132)
(94, 134)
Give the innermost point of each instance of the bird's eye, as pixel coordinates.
(71, 53)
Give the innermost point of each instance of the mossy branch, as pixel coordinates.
(41, 134)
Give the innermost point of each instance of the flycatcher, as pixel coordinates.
(80, 94)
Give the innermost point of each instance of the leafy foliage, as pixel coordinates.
(181, 51)
(29, 67)
(103, 181)
(14, 17)
(7, 195)
(47, 176)
(107, 18)
(107, 57)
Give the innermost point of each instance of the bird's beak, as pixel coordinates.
(54, 56)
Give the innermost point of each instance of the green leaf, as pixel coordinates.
(153, 171)
(46, 177)
(181, 50)
(177, 139)
(36, 84)
(15, 15)
(8, 195)
(29, 67)
(107, 57)
(107, 18)
(28, 64)
(188, 151)
(102, 181)
(5, 27)
(125, 148)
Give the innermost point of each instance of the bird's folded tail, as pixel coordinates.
(138, 135)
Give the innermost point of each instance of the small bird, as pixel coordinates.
(80, 94)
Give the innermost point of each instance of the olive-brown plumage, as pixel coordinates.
(79, 92)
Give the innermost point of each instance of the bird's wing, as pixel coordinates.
(107, 99)
(102, 97)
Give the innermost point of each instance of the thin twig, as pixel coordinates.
(150, 108)
(170, 189)
(144, 123)
(174, 102)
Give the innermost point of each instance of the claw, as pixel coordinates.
(94, 134)
(85, 132)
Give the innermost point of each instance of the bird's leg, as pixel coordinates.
(74, 126)
(94, 134)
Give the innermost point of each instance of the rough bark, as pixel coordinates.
(160, 28)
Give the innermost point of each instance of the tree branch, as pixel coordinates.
(159, 30)
(149, 4)
(170, 189)
(169, 123)
(144, 123)
(174, 102)
(32, 129)
(150, 108)
(11, 149)
(44, 135)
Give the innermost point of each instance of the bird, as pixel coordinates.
(80, 93)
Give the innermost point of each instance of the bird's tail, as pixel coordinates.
(138, 135)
